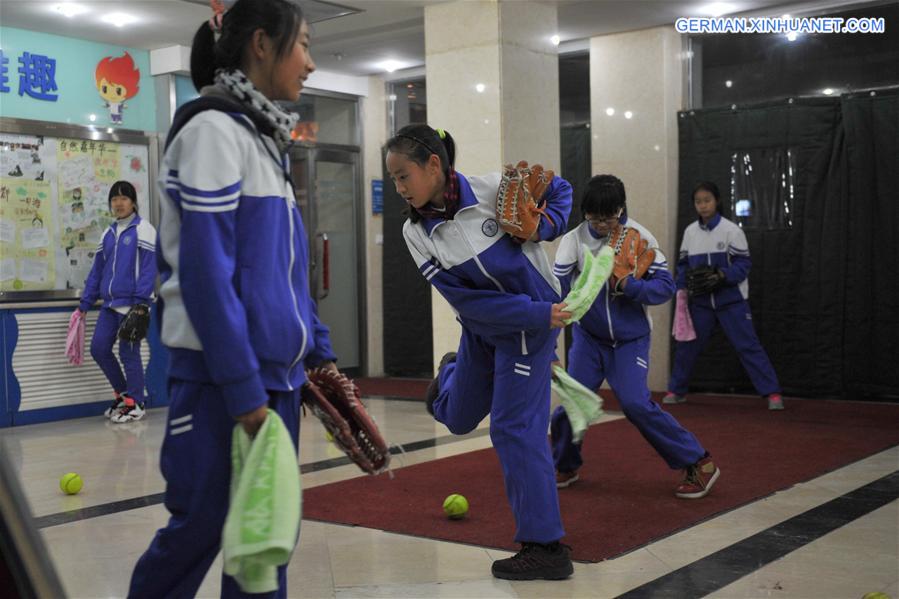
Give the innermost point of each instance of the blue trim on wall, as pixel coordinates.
(11, 393)
(156, 372)
(59, 413)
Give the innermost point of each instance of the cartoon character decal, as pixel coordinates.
(117, 80)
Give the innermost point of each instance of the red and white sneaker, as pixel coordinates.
(115, 406)
(698, 479)
(129, 413)
(775, 402)
(673, 398)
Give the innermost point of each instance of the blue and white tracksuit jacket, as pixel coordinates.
(123, 274)
(124, 268)
(612, 342)
(722, 244)
(239, 321)
(502, 292)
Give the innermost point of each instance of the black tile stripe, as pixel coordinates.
(716, 571)
(105, 509)
(95, 511)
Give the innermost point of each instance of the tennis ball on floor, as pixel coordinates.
(455, 506)
(876, 595)
(70, 483)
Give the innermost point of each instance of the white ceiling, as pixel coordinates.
(356, 44)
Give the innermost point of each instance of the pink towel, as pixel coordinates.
(75, 338)
(682, 327)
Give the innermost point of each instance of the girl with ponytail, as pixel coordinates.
(236, 313)
(507, 300)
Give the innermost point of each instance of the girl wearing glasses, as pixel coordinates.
(611, 342)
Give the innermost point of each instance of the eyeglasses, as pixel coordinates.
(609, 222)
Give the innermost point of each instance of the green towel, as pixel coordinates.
(264, 515)
(597, 270)
(584, 407)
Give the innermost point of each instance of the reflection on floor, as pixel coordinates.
(95, 541)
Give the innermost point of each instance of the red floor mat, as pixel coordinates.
(625, 496)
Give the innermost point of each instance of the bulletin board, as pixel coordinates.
(54, 206)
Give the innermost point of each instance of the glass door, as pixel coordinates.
(329, 195)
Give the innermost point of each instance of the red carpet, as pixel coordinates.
(625, 496)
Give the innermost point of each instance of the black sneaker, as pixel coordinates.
(536, 562)
(434, 388)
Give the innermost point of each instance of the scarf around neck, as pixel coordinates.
(240, 86)
(450, 200)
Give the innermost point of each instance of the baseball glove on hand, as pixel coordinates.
(519, 201)
(334, 399)
(704, 279)
(632, 256)
(135, 324)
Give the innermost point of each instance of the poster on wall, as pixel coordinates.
(27, 217)
(54, 206)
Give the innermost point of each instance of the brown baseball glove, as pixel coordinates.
(335, 400)
(519, 201)
(633, 256)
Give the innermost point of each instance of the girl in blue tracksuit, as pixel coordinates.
(612, 341)
(123, 275)
(236, 313)
(714, 241)
(507, 301)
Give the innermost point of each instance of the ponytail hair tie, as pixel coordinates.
(218, 9)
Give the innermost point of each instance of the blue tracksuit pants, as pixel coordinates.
(736, 320)
(196, 465)
(515, 390)
(105, 336)
(626, 366)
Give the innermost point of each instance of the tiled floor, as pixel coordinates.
(94, 556)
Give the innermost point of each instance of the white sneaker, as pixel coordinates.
(129, 413)
(116, 405)
(673, 398)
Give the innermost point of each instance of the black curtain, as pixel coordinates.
(813, 183)
(871, 322)
(575, 146)
(408, 347)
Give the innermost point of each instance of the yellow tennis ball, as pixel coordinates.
(70, 483)
(876, 595)
(455, 506)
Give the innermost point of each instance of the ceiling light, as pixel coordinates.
(610, 111)
(480, 87)
(390, 65)
(628, 114)
(70, 9)
(716, 9)
(792, 36)
(728, 83)
(556, 40)
(828, 91)
(119, 19)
